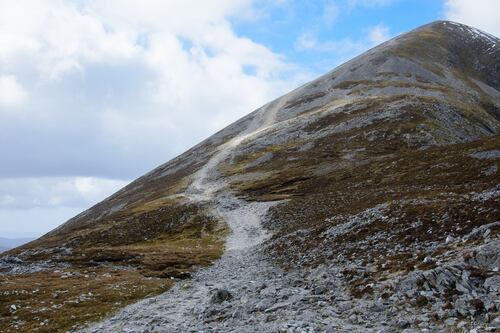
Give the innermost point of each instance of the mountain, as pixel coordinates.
(366, 200)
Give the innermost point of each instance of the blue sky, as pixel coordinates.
(280, 26)
(95, 93)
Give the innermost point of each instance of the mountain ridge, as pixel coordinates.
(227, 131)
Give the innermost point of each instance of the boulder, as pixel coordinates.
(220, 295)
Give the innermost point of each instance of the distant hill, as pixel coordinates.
(10, 243)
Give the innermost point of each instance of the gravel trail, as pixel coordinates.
(243, 291)
(183, 307)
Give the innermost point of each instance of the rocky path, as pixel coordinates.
(184, 306)
(244, 291)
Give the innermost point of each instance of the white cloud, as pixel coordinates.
(331, 12)
(12, 93)
(378, 34)
(58, 37)
(310, 42)
(117, 87)
(30, 207)
(344, 48)
(33, 222)
(369, 3)
(127, 82)
(81, 192)
(482, 14)
(307, 41)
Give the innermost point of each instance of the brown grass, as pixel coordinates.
(51, 302)
(148, 267)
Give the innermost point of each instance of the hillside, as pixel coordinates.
(365, 200)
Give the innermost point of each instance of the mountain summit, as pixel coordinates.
(365, 200)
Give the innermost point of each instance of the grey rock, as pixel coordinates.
(488, 154)
(450, 321)
(462, 307)
(320, 290)
(428, 260)
(492, 284)
(220, 295)
(263, 304)
(262, 159)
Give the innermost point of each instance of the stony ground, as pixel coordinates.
(248, 290)
(245, 292)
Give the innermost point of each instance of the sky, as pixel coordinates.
(94, 93)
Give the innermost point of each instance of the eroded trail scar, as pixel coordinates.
(207, 185)
(207, 181)
(183, 307)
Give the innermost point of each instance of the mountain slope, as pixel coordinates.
(377, 185)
